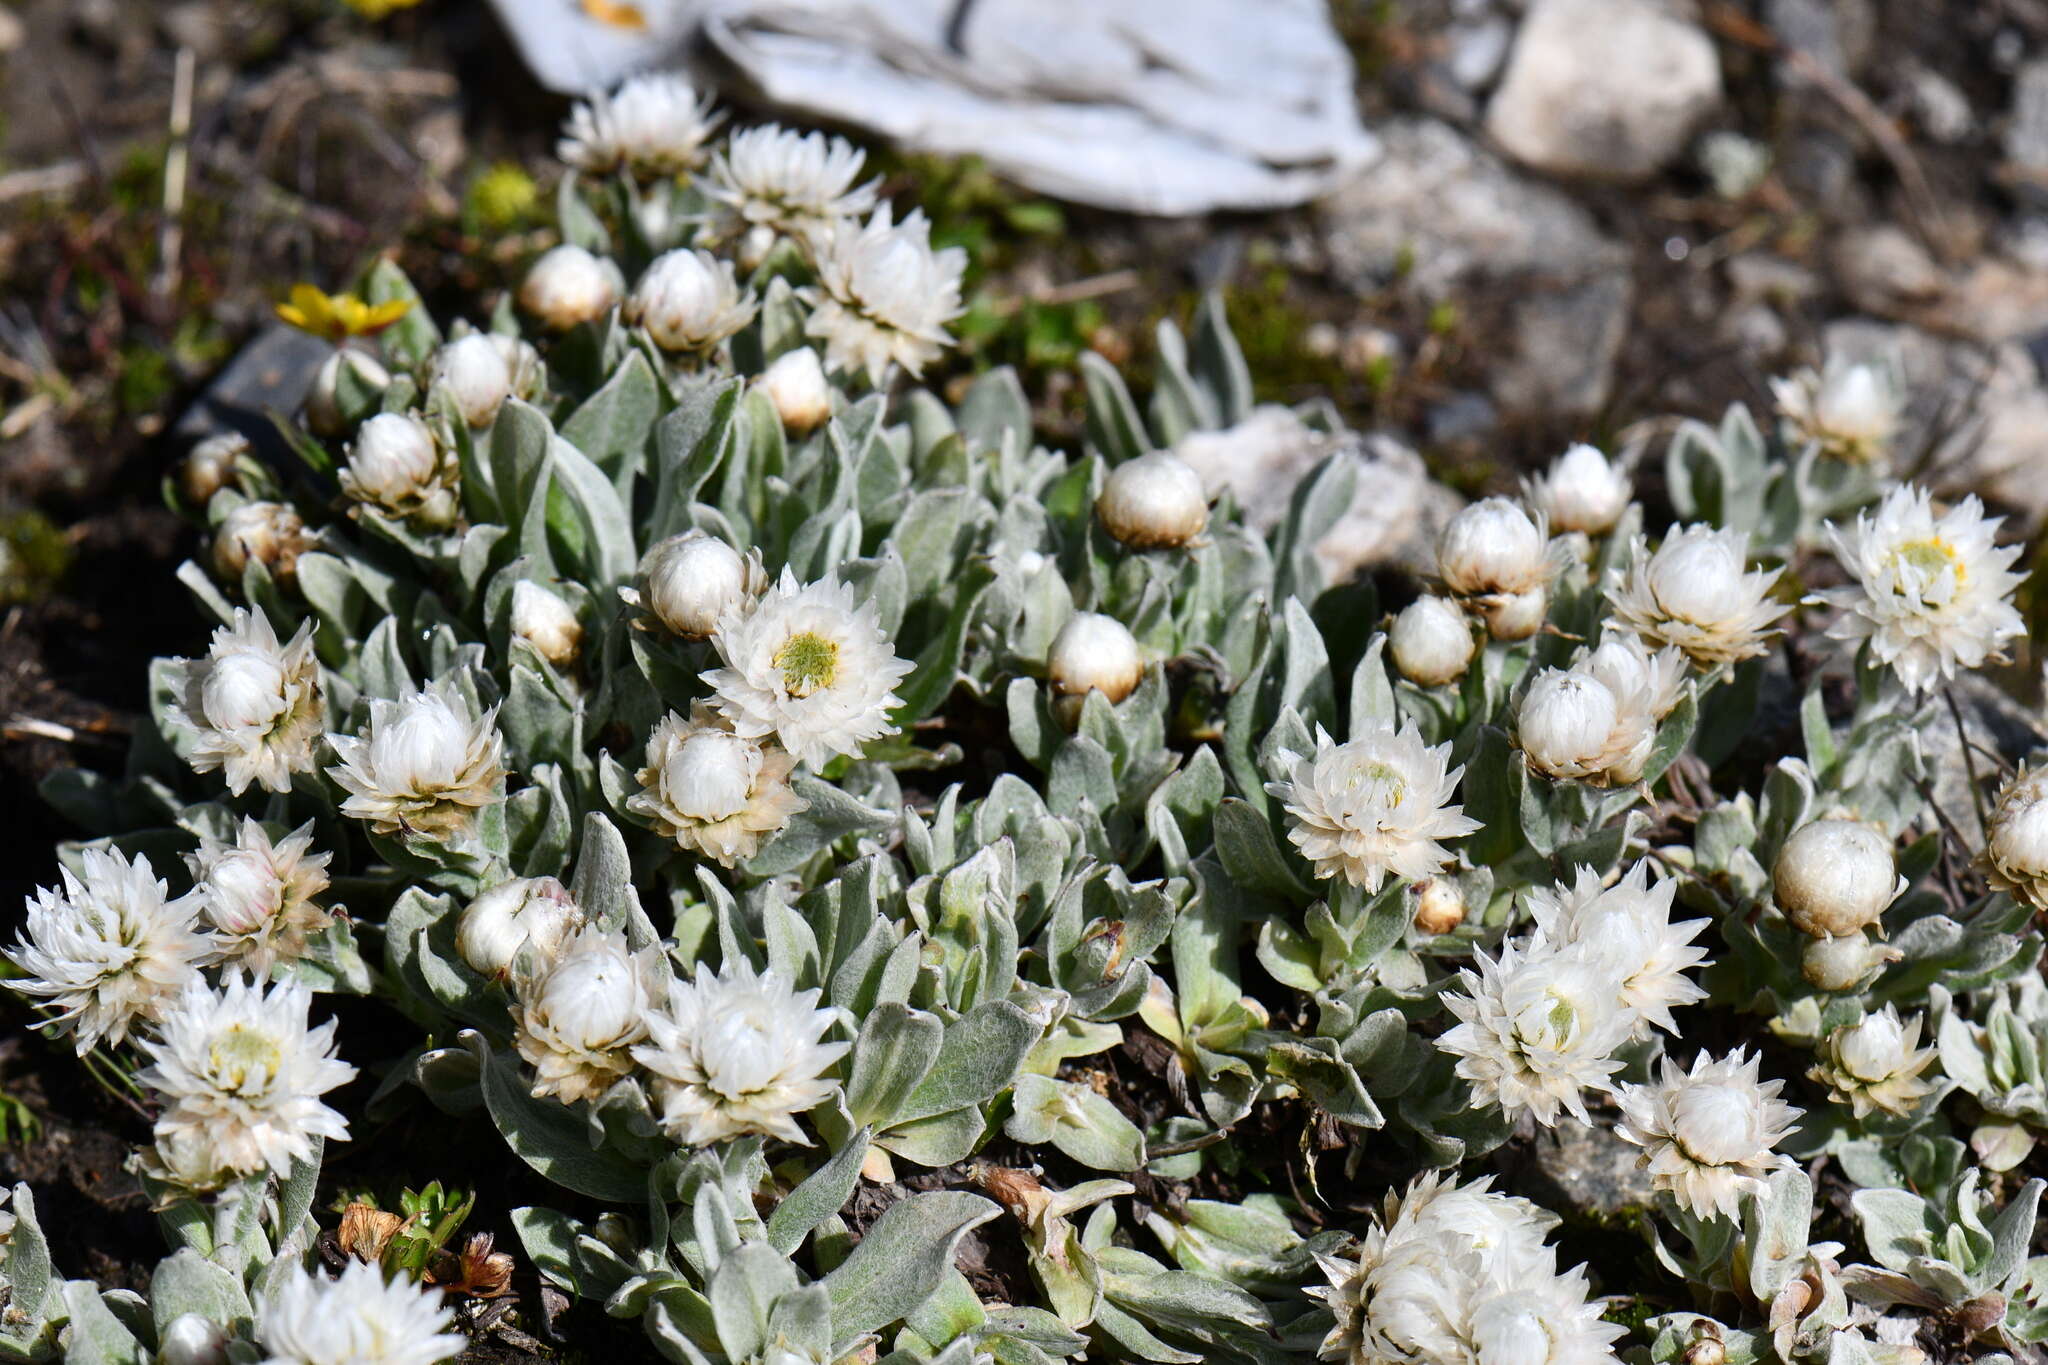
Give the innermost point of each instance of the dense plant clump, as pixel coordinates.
(820, 829)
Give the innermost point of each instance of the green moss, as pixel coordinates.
(34, 555)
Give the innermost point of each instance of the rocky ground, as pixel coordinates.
(1589, 215)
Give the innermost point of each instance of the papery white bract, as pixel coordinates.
(1875, 1063)
(252, 705)
(577, 1012)
(689, 581)
(793, 182)
(358, 1319)
(714, 792)
(1708, 1134)
(1582, 491)
(267, 533)
(568, 286)
(1597, 721)
(652, 125)
(1431, 642)
(111, 950)
(509, 916)
(1375, 805)
(1094, 653)
(423, 765)
(1932, 592)
(397, 467)
(2015, 858)
(1538, 1027)
(883, 295)
(689, 300)
(241, 1073)
(1696, 594)
(808, 666)
(259, 893)
(738, 1052)
(1628, 926)
(1851, 412)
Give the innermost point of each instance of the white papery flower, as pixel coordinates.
(1707, 1134)
(1931, 592)
(1852, 412)
(792, 182)
(253, 705)
(1538, 1026)
(1582, 491)
(358, 1319)
(1499, 562)
(714, 792)
(259, 893)
(883, 295)
(1377, 804)
(652, 125)
(110, 949)
(689, 581)
(795, 384)
(738, 1053)
(269, 533)
(527, 910)
(1431, 642)
(808, 666)
(689, 300)
(577, 1013)
(478, 376)
(1696, 594)
(568, 285)
(547, 623)
(1540, 1318)
(422, 764)
(1154, 501)
(1628, 925)
(2015, 858)
(1597, 721)
(240, 1071)
(1875, 1064)
(397, 467)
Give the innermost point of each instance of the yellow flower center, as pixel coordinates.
(1930, 557)
(807, 662)
(1383, 780)
(240, 1053)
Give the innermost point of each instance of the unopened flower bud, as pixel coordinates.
(1583, 492)
(476, 376)
(796, 385)
(344, 391)
(1153, 502)
(1841, 965)
(269, 533)
(689, 300)
(192, 1339)
(1833, 877)
(1564, 721)
(1516, 616)
(210, 466)
(1431, 642)
(396, 466)
(547, 623)
(1439, 905)
(1492, 547)
(2016, 838)
(1706, 1351)
(689, 581)
(504, 919)
(1096, 653)
(522, 362)
(567, 286)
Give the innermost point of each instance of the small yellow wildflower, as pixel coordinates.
(617, 13)
(374, 10)
(338, 317)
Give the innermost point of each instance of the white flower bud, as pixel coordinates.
(1439, 905)
(2016, 838)
(1841, 965)
(567, 286)
(192, 1339)
(689, 581)
(522, 363)
(1516, 616)
(1153, 501)
(324, 409)
(1702, 579)
(546, 622)
(1705, 1351)
(689, 300)
(796, 385)
(1872, 1049)
(244, 690)
(1835, 876)
(1492, 547)
(1431, 642)
(267, 532)
(1564, 721)
(476, 375)
(504, 919)
(1094, 652)
(1583, 492)
(210, 466)
(393, 461)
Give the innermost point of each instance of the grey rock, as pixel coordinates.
(13, 33)
(2026, 134)
(1607, 89)
(1758, 330)
(1940, 107)
(1477, 50)
(1438, 210)
(1883, 268)
(1587, 1171)
(1564, 347)
(1835, 33)
(1462, 418)
(269, 375)
(1758, 275)
(1996, 724)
